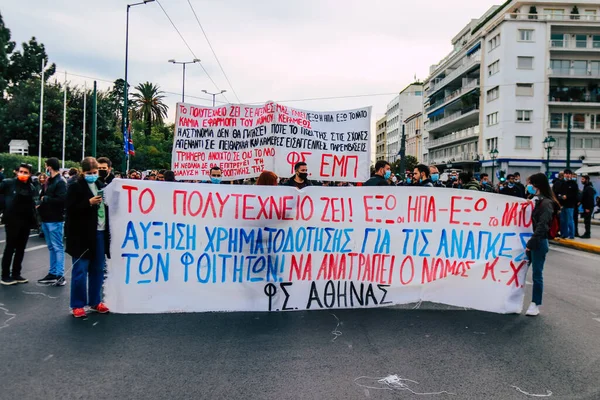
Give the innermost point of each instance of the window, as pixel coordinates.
(494, 42)
(491, 144)
(524, 89)
(590, 15)
(557, 121)
(595, 121)
(579, 68)
(492, 119)
(581, 41)
(526, 35)
(555, 13)
(524, 62)
(523, 142)
(558, 40)
(524, 115)
(595, 68)
(494, 68)
(493, 94)
(578, 121)
(560, 67)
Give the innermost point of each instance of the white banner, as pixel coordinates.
(180, 247)
(245, 140)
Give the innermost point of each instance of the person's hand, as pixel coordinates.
(95, 200)
(564, 197)
(587, 211)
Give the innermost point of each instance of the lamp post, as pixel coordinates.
(125, 88)
(194, 61)
(214, 94)
(493, 156)
(549, 143)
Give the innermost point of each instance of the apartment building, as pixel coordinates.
(519, 75)
(413, 130)
(381, 139)
(408, 102)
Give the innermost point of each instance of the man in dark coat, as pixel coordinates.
(587, 203)
(382, 174)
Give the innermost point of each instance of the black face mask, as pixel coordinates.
(102, 173)
(302, 175)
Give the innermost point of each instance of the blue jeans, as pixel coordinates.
(92, 271)
(538, 259)
(567, 224)
(53, 232)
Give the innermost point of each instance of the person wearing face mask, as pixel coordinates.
(587, 203)
(519, 185)
(468, 182)
(421, 174)
(51, 211)
(383, 172)
(510, 188)
(20, 197)
(546, 206)
(300, 179)
(486, 185)
(88, 239)
(215, 175)
(568, 195)
(435, 176)
(105, 172)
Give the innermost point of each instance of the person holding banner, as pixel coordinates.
(300, 179)
(267, 178)
(215, 175)
(383, 172)
(421, 175)
(88, 239)
(546, 205)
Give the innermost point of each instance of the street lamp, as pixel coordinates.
(493, 156)
(125, 89)
(214, 95)
(195, 60)
(549, 143)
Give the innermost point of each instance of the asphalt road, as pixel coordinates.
(46, 354)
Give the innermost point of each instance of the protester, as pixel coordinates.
(133, 174)
(468, 182)
(88, 239)
(1, 173)
(597, 208)
(587, 203)
(105, 172)
(51, 211)
(421, 176)
(169, 176)
(557, 182)
(408, 180)
(267, 178)
(546, 205)
(519, 185)
(215, 175)
(300, 179)
(72, 176)
(568, 195)
(510, 189)
(435, 176)
(382, 174)
(161, 175)
(42, 178)
(485, 183)
(19, 217)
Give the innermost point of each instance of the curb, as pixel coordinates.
(590, 248)
(594, 222)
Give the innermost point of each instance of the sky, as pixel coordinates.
(270, 50)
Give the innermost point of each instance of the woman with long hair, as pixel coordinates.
(88, 239)
(267, 178)
(546, 205)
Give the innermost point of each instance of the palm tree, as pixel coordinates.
(148, 105)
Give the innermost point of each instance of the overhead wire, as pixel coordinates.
(188, 46)
(213, 51)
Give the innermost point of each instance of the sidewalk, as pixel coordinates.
(590, 245)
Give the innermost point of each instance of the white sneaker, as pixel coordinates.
(533, 310)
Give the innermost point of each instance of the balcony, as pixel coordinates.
(577, 45)
(574, 98)
(574, 73)
(456, 121)
(468, 62)
(466, 88)
(553, 18)
(459, 158)
(472, 132)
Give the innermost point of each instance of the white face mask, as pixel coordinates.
(394, 179)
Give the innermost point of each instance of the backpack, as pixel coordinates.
(554, 227)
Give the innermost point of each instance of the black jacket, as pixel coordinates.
(52, 206)
(521, 188)
(109, 178)
(10, 189)
(542, 215)
(587, 197)
(571, 190)
(82, 221)
(376, 180)
(426, 183)
(292, 182)
(511, 191)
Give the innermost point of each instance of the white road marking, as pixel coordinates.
(48, 357)
(578, 253)
(596, 319)
(34, 248)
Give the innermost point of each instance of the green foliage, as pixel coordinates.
(149, 106)
(12, 161)
(152, 151)
(410, 162)
(6, 48)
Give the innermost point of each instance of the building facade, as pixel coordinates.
(381, 139)
(413, 126)
(408, 102)
(519, 75)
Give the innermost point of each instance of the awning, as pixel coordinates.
(436, 113)
(474, 49)
(588, 170)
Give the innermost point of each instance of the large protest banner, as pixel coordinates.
(180, 247)
(245, 140)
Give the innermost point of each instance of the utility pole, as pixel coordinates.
(64, 121)
(403, 152)
(84, 115)
(568, 140)
(94, 119)
(41, 120)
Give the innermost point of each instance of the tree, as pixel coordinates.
(6, 48)
(149, 106)
(410, 162)
(27, 63)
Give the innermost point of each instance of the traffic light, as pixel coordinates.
(502, 175)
